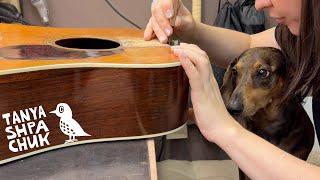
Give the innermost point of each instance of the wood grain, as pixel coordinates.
(196, 9)
(135, 92)
(152, 159)
(13, 35)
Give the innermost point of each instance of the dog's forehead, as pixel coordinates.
(258, 57)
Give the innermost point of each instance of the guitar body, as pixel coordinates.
(61, 87)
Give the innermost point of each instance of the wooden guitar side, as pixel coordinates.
(119, 95)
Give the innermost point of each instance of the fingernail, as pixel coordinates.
(169, 13)
(168, 31)
(174, 47)
(176, 51)
(180, 53)
(163, 39)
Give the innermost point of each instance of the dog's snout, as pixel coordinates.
(235, 107)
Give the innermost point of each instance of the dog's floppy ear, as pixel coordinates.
(228, 85)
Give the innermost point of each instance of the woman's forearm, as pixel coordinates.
(222, 45)
(261, 160)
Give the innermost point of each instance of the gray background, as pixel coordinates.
(97, 13)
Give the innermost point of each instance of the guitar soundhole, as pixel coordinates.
(87, 43)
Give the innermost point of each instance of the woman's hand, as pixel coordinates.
(211, 115)
(159, 23)
(218, 126)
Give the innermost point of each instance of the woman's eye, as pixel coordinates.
(264, 73)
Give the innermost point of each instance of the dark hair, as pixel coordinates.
(303, 52)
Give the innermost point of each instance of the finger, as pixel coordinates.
(148, 31)
(153, 36)
(158, 31)
(201, 55)
(162, 21)
(185, 62)
(167, 7)
(201, 63)
(191, 72)
(194, 48)
(154, 4)
(189, 68)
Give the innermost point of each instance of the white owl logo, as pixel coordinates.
(68, 125)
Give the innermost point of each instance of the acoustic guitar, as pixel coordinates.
(62, 87)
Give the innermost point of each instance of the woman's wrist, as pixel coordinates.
(225, 135)
(194, 32)
(188, 33)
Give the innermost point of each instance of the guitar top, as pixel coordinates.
(29, 48)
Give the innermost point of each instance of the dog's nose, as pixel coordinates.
(235, 108)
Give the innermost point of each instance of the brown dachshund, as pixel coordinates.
(252, 88)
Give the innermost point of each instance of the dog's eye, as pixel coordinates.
(234, 72)
(263, 73)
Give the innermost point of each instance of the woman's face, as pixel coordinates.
(286, 12)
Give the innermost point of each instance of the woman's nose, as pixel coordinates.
(261, 4)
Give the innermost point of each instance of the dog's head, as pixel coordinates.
(253, 80)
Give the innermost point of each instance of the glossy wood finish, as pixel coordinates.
(139, 91)
(137, 51)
